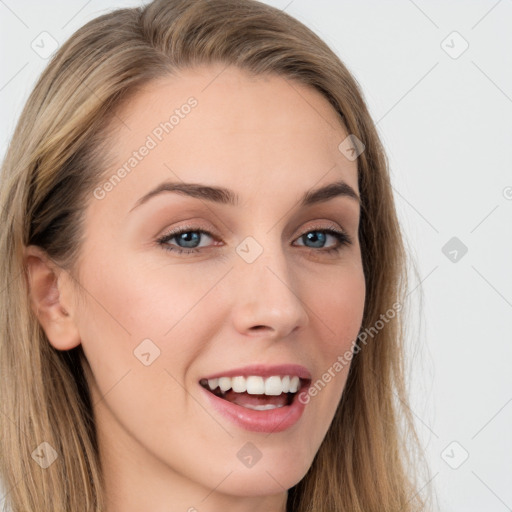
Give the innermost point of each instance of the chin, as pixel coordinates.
(273, 476)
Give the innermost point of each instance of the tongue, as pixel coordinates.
(245, 399)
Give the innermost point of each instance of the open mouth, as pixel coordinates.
(255, 392)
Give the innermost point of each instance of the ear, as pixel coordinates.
(47, 282)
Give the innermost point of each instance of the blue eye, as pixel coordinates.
(188, 240)
(189, 237)
(318, 238)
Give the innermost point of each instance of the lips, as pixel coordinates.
(259, 398)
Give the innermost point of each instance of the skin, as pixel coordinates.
(269, 140)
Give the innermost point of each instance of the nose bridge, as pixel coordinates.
(267, 291)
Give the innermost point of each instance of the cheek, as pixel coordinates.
(132, 312)
(134, 300)
(335, 312)
(139, 339)
(339, 307)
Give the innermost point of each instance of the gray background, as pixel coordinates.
(444, 117)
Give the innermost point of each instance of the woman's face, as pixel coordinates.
(271, 287)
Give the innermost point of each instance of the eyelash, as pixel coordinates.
(343, 239)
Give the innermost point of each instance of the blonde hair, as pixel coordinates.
(55, 159)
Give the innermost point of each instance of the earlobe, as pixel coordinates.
(46, 281)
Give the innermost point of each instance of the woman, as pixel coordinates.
(254, 362)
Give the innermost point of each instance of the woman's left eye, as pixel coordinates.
(188, 240)
(320, 236)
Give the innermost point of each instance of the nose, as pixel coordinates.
(267, 301)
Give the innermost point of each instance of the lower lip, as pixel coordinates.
(273, 420)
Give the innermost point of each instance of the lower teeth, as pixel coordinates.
(262, 407)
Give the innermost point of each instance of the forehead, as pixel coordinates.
(221, 125)
(232, 94)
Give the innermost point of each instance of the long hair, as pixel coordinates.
(369, 458)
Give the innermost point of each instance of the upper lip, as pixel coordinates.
(264, 371)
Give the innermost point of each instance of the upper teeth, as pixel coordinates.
(256, 385)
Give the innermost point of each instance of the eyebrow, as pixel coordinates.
(223, 195)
